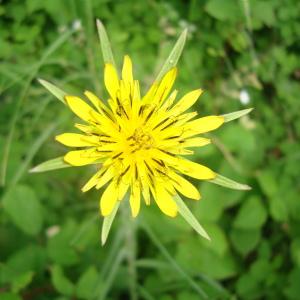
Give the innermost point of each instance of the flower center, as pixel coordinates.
(140, 140)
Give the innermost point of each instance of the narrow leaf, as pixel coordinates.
(105, 44)
(229, 183)
(236, 114)
(52, 164)
(177, 268)
(107, 222)
(189, 217)
(174, 56)
(54, 90)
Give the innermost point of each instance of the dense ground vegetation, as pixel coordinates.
(243, 54)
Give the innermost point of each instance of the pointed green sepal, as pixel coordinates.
(189, 217)
(54, 90)
(229, 183)
(173, 56)
(107, 222)
(237, 114)
(105, 44)
(49, 165)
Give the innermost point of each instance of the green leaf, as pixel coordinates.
(173, 56)
(237, 114)
(244, 240)
(24, 209)
(54, 90)
(52, 164)
(211, 208)
(105, 44)
(223, 10)
(22, 281)
(229, 183)
(9, 296)
(292, 288)
(59, 246)
(87, 284)
(61, 283)
(261, 269)
(218, 243)
(251, 215)
(295, 251)
(198, 259)
(267, 182)
(26, 259)
(278, 209)
(189, 217)
(107, 222)
(247, 286)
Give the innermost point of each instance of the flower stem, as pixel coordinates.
(131, 248)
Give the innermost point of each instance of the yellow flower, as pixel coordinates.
(139, 142)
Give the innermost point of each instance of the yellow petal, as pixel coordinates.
(81, 157)
(165, 86)
(184, 186)
(80, 108)
(108, 199)
(136, 90)
(186, 167)
(94, 99)
(127, 70)
(77, 140)
(105, 177)
(144, 182)
(88, 129)
(203, 125)
(135, 199)
(146, 194)
(111, 80)
(92, 181)
(150, 93)
(182, 119)
(196, 142)
(195, 170)
(165, 201)
(170, 100)
(122, 189)
(186, 102)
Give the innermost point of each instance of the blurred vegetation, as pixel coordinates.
(244, 54)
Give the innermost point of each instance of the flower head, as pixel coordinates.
(140, 143)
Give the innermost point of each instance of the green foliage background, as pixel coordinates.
(50, 231)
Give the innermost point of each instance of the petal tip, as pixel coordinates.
(173, 214)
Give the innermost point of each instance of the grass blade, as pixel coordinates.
(49, 165)
(145, 294)
(111, 276)
(32, 151)
(105, 44)
(30, 154)
(83, 229)
(189, 217)
(21, 99)
(173, 56)
(54, 90)
(237, 114)
(107, 222)
(229, 183)
(173, 263)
